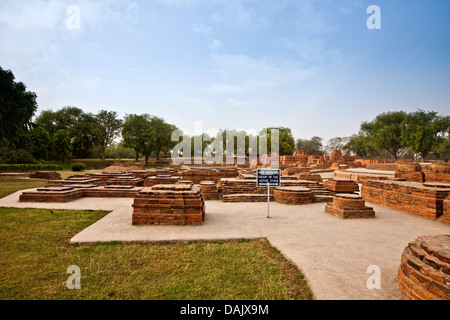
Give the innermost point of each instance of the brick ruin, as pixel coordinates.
(349, 206)
(424, 199)
(169, 205)
(46, 175)
(424, 272)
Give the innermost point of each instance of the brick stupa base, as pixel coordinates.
(424, 272)
(348, 206)
(46, 175)
(293, 195)
(341, 185)
(169, 205)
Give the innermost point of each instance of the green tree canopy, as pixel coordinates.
(17, 106)
(385, 131)
(424, 131)
(313, 146)
(108, 129)
(62, 145)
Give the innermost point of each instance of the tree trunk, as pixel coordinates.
(146, 160)
(103, 154)
(137, 157)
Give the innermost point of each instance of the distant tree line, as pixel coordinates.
(72, 133)
(420, 134)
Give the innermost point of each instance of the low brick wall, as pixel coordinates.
(74, 192)
(424, 272)
(341, 185)
(447, 210)
(349, 206)
(248, 186)
(46, 175)
(210, 191)
(293, 195)
(309, 177)
(169, 205)
(246, 198)
(412, 197)
(161, 179)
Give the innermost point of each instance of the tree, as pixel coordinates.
(385, 131)
(361, 146)
(80, 126)
(108, 129)
(424, 131)
(41, 142)
(162, 136)
(132, 131)
(312, 147)
(337, 143)
(285, 143)
(62, 146)
(17, 106)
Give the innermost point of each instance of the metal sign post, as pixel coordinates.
(269, 178)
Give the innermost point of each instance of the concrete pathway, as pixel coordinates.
(334, 254)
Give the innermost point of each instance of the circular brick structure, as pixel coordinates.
(424, 272)
(293, 195)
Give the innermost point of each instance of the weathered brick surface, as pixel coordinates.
(126, 181)
(309, 177)
(424, 272)
(46, 175)
(245, 197)
(66, 183)
(169, 205)
(198, 175)
(349, 206)
(293, 195)
(161, 179)
(341, 185)
(447, 210)
(290, 171)
(412, 197)
(74, 192)
(210, 191)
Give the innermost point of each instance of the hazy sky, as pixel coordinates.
(311, 65)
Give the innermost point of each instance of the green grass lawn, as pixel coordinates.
(35, 253)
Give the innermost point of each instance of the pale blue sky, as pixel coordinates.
(310, 65)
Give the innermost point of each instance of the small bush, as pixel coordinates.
(78, 167)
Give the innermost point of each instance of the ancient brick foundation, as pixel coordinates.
(341, 186)
(349, 206)
(169, 205)
(293, 195)
(447, 210)
(412, 197)
(161, 179)
(424, 272)
(245, 197)
(210, 191)
(74, 192)
(46, 175)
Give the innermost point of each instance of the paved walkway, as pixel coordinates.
(334, 254)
